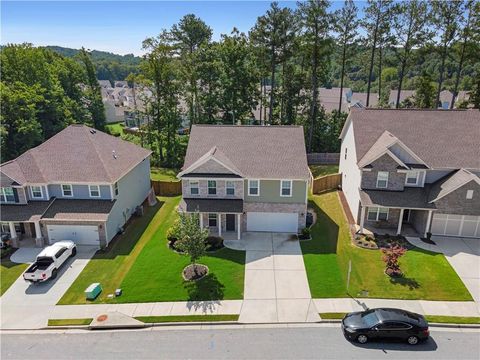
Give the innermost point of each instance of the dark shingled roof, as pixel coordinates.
(412, 198)
(441, 138)
(267, 152)
(84, 210)
(212, 205)
(28, 212)
(76, 154)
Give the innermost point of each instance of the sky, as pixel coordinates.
(119, 26)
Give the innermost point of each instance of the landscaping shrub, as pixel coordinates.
(391, 257)
(214, 242)
(305, 234)
(173, 234)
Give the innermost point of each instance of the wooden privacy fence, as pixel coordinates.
(167, 188)
(323, 158)
(327, 182)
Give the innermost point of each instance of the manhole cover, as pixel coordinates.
(102, 318)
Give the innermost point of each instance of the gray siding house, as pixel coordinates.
(80, 185)
(246, 178)
(413, 170)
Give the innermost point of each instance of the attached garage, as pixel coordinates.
(275, 222)
(456, 225)
(80, 234)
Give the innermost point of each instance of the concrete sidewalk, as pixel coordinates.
(424, 307)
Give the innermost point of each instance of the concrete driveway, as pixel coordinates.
(464, 256)
(26, 305)
(276, 285)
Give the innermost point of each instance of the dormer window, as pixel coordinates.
(382, 179)
(412, 178)
(67, 190)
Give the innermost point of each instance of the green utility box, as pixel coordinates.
(93, 291)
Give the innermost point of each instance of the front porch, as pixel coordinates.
(226, 225)
(23, 234)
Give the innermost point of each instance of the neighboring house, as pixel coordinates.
(404, 95)
(81, 185)
(246, 178)
(415, 167)
(359, 99)
(445, 98)
(330, 98)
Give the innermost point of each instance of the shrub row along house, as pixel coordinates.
(246, 178)
(81, 185)
(413, 170)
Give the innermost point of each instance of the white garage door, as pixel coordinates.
(456, 225)
(277, 222)
(80, 234)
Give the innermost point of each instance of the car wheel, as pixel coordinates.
(412, 340)
(74, 251)
(362, 339)
(54, 273)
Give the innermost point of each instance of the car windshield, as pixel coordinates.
(370, 318)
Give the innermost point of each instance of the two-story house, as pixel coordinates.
(80, 185)
(246, 178)
(415, 167)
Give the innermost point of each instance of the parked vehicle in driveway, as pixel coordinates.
(385, 324)
(49, 261)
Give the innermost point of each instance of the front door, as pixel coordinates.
(406, 216)
(230, 222)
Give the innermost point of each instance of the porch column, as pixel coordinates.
(38, 234)
(429, 221)
(219, 224)
(239, 225)
(13, 234)
(201, 220)
(362, 218)
(400, 220)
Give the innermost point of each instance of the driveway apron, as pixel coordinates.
(276, 285)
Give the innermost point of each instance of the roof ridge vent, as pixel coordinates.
(114, 154)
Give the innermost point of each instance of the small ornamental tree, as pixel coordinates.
(390, 258)
(191, 238)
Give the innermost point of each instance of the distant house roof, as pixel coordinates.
(361, 97)
(441, 138)
(404, 94)
(76, 154)
(262, 152)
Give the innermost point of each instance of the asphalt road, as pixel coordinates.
(230, 343)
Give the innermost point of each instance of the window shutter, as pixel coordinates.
(15, 194)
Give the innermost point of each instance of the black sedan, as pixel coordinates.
(389, 324)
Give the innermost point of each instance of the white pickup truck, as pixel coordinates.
(49, 261)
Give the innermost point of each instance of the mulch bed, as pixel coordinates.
(381, 242)
(194, 272)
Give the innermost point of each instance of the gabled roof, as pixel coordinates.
(216, 155)
(76, 154)
(264, 152)
(451, 183)
(448, 139)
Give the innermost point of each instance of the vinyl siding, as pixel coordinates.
(270, 192)
(79, 192)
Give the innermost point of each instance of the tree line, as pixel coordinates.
(274, 70)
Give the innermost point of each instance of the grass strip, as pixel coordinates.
(332, 316)
(69, 322)
(430, 318)
(186, 318)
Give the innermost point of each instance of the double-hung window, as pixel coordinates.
(377, 213)
(7, 195)
(94, 190)
(67, 190)
(382, 179)
(212, 187)
(230, 188)
(412, 178)
(212, 220)
(194, 187)
(37, 192)
(253, 187)
(286, 188)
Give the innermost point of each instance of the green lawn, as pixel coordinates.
(187, 318)
(9, 272)
(115, 128)
(428, 275)
(431, 318)
(163, 174)
(321, 170)
(141, 263)
(69, 322)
